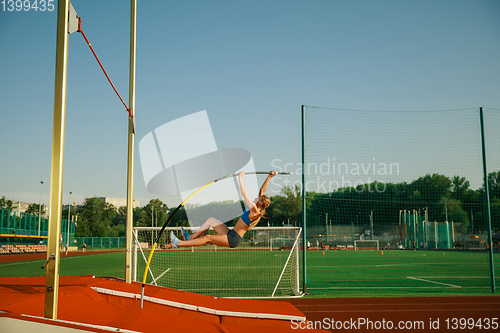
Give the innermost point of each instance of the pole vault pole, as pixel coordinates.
(176, 210)
(131, 139)
(57, 162)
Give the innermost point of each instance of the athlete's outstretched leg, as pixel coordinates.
(219, 240)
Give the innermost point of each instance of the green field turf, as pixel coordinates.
(398, 273)
(106, 264)
(335, 274)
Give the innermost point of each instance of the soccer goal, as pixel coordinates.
(366, 244)
(264, 265)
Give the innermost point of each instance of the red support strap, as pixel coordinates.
(102, 67)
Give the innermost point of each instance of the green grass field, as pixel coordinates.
(398, 273)
(106, 264)
(335, 274)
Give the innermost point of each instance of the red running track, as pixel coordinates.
(404, 314)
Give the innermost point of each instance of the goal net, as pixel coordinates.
(265, 264)
(366, 245)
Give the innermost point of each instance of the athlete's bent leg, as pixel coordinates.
(210, 223)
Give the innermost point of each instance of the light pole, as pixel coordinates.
(69, 211)
(40, 209)
(326, 228)
(446, 208)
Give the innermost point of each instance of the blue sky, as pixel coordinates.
(250, 64)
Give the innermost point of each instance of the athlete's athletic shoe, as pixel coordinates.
(185, 234)
(175, 241)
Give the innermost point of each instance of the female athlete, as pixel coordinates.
(225, 236)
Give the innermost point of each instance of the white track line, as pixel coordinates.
(430, 281)
(455, 277)
(391, 304)
(354, 288)
(21, 262)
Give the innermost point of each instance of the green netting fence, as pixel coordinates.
(395, 201)
(14, 223)
(100, 242)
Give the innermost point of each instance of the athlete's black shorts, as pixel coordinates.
(233, 238)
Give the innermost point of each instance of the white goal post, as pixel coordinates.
(366, 244)
(264, 265)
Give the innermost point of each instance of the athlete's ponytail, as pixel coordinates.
(266, 201)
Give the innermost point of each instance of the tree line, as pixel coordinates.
(442, 197)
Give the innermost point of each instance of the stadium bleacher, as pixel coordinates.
(19, 249)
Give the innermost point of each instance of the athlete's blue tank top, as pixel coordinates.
(245, 218)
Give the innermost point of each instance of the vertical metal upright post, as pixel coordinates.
(304, 217)
(69, 219)
(131, 139)
(297, 273)
(326, 229)
(426, 225)
(436, 237)
(57, 161)
(406, 233)
(134, 257)
(487, 210)
(400, 229)
(448, 242)
(453, 232)
(40, 209)
(415, 235)
(371, 225)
